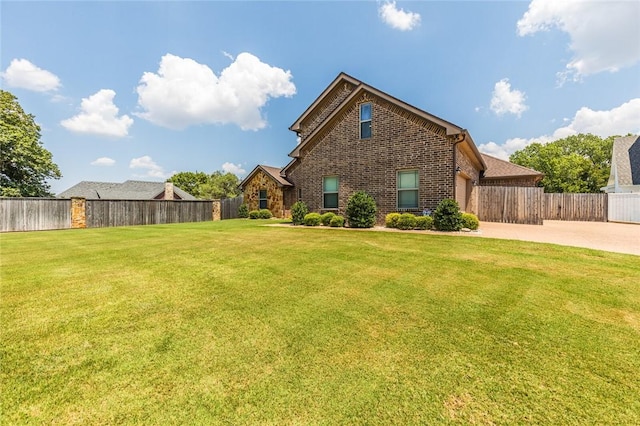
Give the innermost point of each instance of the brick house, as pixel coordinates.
(356, 137)
(264, 188)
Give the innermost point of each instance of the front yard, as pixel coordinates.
(236, 323)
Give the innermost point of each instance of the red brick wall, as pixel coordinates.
(399, 141)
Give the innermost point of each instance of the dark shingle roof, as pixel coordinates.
(273, 172)
(497, 168)
(625, 161)
(128, 190)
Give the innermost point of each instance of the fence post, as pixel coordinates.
(216, 210)
(78, 212)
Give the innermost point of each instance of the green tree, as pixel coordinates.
(25, 164)
(578, 163)
(201, 185)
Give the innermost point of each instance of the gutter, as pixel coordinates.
(455, 159)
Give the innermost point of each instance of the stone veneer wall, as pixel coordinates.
(400, 141)
(275, 199)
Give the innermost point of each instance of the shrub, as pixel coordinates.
(312, 219)
(391, 220)
(326, 218)
(424, 222)
(447, 216)
(361, 210)
(470, 220)
(265, 214)
(406, 221)
(337, 221)
(298, 211)
(254, 214)
(243, 211)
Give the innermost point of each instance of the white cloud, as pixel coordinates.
(99, 116)
(103, 161)
(620, 120)
(152, 169)
(236, 169)
(505, 100)
(603, 34)
(25, 75)
(398, 18)
(185, 92)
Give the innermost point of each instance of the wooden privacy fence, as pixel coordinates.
(34, 214)
(580, 207)
(105, 213)
(38, 214)
(532, 206)
(509, 204)
(229, 207)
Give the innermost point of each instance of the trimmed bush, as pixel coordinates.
(243, 211)
(424, 222)
(470, 220)
(447, 216)
(326, 218)
(254, 214)
(391, 220)
(406, 221)
(265, 214)
(337, 221)
(312, 219)
(361, 210)
(298, 211)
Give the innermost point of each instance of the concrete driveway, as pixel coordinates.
(607, 236)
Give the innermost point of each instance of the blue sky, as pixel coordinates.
(141, 90)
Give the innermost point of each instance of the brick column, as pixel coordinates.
(78, 213)
(216, 210)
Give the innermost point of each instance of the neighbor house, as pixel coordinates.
(356, 137)
(625, 165)
(128, 190)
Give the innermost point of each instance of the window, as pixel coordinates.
(262, 198)
(330, 192)
(365, 121)
(408, 189)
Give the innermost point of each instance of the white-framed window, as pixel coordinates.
(262, 199)
(408, 184)
(330, 192)
(365, 120)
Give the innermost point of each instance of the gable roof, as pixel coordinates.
(273, 172)
(450, 128)
(128, 190)
(501, 169)
(625, 162)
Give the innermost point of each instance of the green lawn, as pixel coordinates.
(237, 323)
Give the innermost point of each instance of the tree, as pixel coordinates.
(578, 163)
(201, 185)
(25, 164)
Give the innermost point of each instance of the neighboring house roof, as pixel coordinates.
(625, 165)
(128, 190)
(501, 169)
(451, 129)
(274, 172)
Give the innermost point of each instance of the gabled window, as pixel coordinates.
(365, 121)
(262, 199)
(408, 189)
(330, 192)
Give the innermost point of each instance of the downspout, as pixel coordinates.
(455, 159)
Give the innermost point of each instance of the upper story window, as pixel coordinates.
(262, 199)
(408, 189)
(365, 121)
(330, 192)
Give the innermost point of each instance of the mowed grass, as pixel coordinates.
(234, 322)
